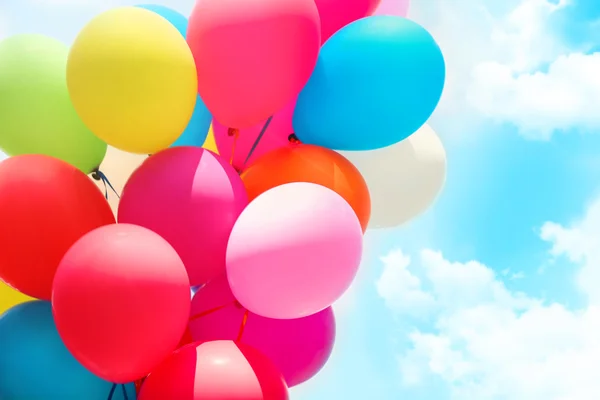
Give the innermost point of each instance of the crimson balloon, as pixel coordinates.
(46, 205)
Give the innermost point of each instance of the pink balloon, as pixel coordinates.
(121, 301)
(335, 14)
(393, 7)
(275, 136)
(293, 251)
(252, 56)
(191, 197)
(219, 370)
(298, 347)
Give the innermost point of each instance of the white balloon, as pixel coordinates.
(403, 179)
(118, 167)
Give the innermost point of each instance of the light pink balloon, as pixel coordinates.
(335, 14)
(393, 7)
(293, 251)
(275, 136)
(191, 197)
(298, 347)
(219, 370)
(252, 56)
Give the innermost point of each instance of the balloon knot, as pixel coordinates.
(233, 132)
(237, 304)
(293, 139)
(96, 175)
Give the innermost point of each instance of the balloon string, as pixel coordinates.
(258, 139)
(100, 176)
(124, 390)
(236, 134)
(138, 385)
(208, 312)
(112, 391)
(244, 321)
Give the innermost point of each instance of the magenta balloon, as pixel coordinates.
(294, 250)
(275, 136)
(219, 370)
(393, 7)
(252, 56)
(298, 347)
(191, 197)
(335, 14)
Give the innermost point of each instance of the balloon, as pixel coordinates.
(404, 179)
(10, 297)
(36, 113)
(132, 79)
(308, 163)
(376, 82)
(252, 56)
(210, 143)
(393, 7)
(219, 370)
(35, 364)
(299, 348)
(294, 251)
(179, 21)
(46, 205)
(275, 135)
(197, 128)
(192, 198)
(121, 301)
(117, 168)
(335, 14)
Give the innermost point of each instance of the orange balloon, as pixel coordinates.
(313, 164)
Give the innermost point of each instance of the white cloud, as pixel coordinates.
(580, 243)
(488, 342)
(401, 289)
(539, 103)
(496, 58)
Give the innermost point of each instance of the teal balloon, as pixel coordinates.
(36, 365)
(376, 82)
(197, 129)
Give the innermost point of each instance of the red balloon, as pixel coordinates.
(121, 301)
(46, 205)
(219, 370)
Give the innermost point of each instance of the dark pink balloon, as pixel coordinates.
(219, 370)
(298, 347)
(335, 14)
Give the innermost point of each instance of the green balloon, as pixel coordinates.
(36, 113)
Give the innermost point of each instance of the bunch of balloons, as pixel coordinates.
(249, 149)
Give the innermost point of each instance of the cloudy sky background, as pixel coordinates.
(495, 292)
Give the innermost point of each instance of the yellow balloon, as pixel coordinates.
(209, 143)
(10, 297)
(132, 79)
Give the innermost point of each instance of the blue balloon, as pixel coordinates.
(35, 364)
(176, 19)
(197, 129)
(376, 82)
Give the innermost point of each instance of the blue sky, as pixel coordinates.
(493, 293)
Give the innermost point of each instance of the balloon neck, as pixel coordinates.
(237, 304)
(293, 139)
